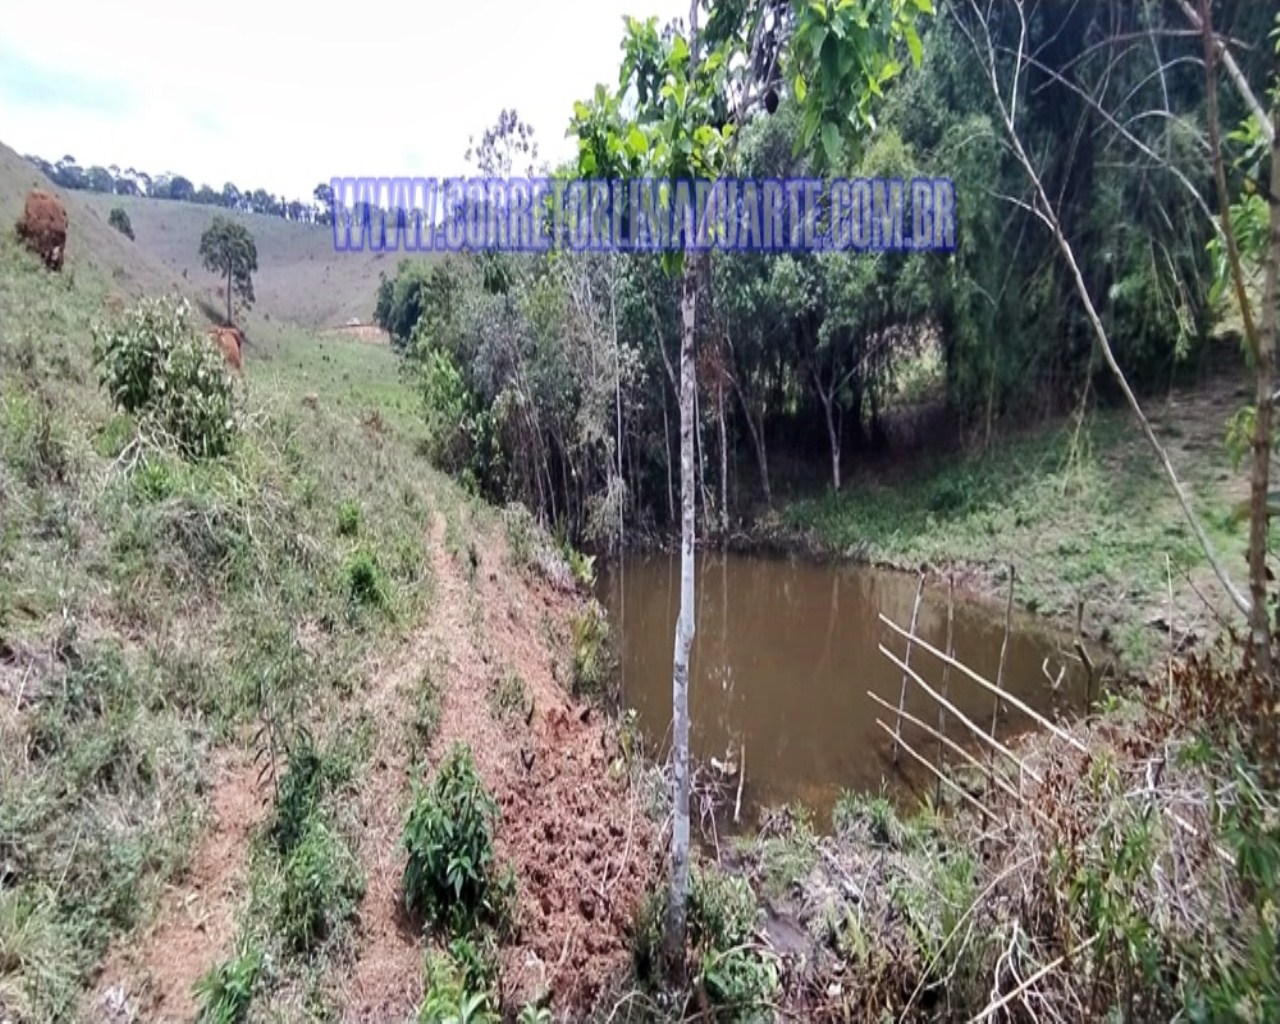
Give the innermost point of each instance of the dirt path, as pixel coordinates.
(195, 924)
(581, 849)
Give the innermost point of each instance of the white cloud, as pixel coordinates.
(252, 92)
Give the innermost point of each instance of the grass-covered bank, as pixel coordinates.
(155, 608)
(245, 629)
(1082, 512)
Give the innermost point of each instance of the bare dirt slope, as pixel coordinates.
(582, 849)
(152, 978)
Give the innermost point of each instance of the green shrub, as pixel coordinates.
(154, 365)
(739, 977)
(119, 220)
(856, 815)
(722, 909)
(449, 878)
(741, 983)
(321, 887)
(582, 566)
(298, 795)
(348, 519)
(646, 936)
(591, 655)
(366, 584)
(154, 479)
(450, 1000)
(476, 961)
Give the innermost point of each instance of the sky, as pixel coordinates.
(264, 96)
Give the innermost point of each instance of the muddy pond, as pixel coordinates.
(785, 652)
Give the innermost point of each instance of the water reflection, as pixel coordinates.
(785, 652)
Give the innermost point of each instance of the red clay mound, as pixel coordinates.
(43, 227)
(230, 340)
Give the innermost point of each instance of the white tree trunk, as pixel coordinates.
(675, 938)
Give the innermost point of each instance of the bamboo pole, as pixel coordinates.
(1085, 660)
(924, 761)
(968, 757)
(946, 678)
(973, 726)
(902, 693)
(742, 777)
(1008, 697)
(1004, 651)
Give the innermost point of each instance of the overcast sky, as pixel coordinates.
(281, 97)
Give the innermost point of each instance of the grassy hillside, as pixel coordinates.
(219, 679)
(300, 278)
(92, 246)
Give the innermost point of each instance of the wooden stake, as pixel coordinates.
(902, 693)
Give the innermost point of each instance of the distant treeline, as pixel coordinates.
(131, 182)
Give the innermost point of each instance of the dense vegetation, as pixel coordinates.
(552, 379)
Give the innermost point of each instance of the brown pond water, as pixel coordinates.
(784, 653)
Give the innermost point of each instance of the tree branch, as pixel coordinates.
(1233, 70)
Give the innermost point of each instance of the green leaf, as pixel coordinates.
(832, 144)
(816, 38)
(637, 144)
(802, 90)
(913, 43)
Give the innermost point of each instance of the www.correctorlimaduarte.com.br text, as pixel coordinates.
(643, 214)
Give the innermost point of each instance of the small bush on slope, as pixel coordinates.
(154, 365)
(449, 878)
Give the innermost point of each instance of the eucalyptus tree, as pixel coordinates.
(681, 96)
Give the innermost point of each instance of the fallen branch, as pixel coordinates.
(1047, 968)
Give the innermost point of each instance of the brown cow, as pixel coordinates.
(230, 340)
(43, 227)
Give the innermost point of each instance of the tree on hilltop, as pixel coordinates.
(228, 249)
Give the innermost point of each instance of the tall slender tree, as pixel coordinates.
(228, 249)
(690, 91)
